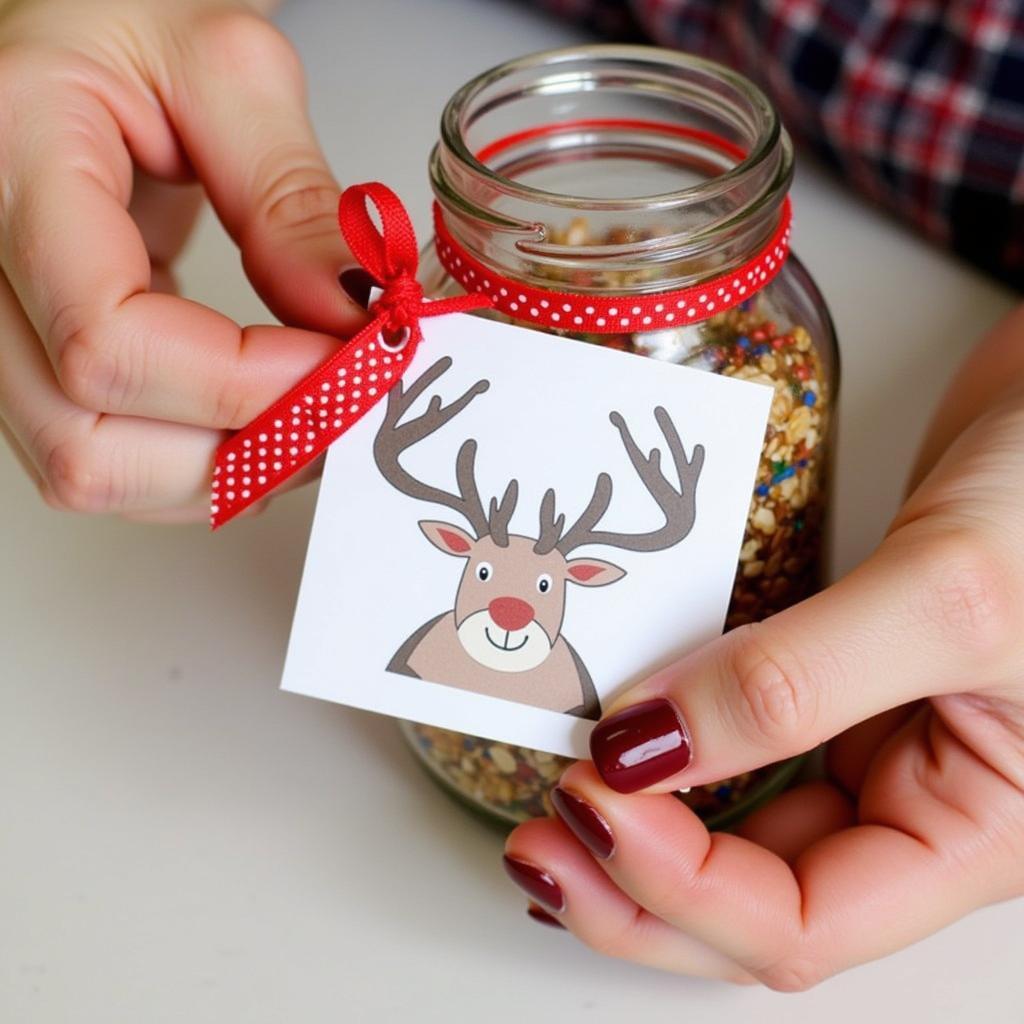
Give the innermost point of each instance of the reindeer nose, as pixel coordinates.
(510, 613)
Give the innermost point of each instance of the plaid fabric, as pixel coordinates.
(918, 103)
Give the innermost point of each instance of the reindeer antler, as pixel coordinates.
(394, 437)
(550, 525)
(501, 514)
(678, 506)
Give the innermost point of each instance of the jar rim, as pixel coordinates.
(770, 131)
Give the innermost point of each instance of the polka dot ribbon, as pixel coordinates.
(613, 314)
(301, 425)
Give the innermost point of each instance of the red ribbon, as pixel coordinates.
(581, 312)
(301, 424)
(614, 314)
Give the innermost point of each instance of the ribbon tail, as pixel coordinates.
(303, 423)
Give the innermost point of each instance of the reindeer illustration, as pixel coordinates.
(503, 636)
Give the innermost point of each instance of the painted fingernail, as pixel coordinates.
(641, 745)
(540, 914)
(586, 823)
(357, 283)
(536, 883)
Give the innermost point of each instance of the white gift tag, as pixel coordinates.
(449, 591)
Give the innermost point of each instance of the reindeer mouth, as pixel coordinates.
(505, 646)
(503, 650)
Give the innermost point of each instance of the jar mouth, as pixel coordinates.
(611, 164)
(678, 79)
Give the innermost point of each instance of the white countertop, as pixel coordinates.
(182, 842)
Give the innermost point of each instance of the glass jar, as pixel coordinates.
(628, 170)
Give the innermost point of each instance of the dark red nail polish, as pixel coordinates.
(586, 823)
(536, 883)
(541, 915)
(641, 745)
(357, 283)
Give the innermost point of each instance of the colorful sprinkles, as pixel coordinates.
(780, 559)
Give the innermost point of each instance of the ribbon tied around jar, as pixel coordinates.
(304, 422)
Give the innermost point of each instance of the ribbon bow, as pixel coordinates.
(303, 423)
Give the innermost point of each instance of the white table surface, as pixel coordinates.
(182, 842)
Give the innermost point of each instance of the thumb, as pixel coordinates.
(916, 620)
(240, 111)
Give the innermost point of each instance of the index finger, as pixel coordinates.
(81, 271)
(929, 610)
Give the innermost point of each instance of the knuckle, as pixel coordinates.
(795, 974)
(966, 591)
(243, 42)
(88, 371)
(290, 186)
(76, 479)
(667, 894)
(775, 699)
(300, 196)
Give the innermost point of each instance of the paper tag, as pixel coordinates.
(505, 617)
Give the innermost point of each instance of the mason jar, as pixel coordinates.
(626, 171)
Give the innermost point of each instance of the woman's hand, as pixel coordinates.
(117, 115)
(914, 662)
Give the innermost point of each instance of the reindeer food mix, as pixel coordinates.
(556, 200)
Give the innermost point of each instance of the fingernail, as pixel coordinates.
(541, 915)
(586, 823)
(536, 883)
(641, 745)
(357, 283)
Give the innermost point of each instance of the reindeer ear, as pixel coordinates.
(592, 572)
(452, 540)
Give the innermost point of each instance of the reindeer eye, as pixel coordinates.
(544, 583)
(484, 572)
